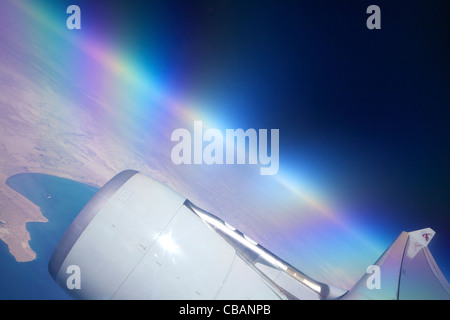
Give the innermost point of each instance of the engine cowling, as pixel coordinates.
(137, 239)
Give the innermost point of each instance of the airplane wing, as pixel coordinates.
(139, 239)
(406, 271)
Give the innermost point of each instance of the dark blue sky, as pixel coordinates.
(367, 111)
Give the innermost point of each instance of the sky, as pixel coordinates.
(363, 114)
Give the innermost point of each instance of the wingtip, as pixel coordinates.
(424, 236)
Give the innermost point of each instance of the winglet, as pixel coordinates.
(406, 271)
(418, 240)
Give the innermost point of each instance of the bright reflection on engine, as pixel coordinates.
(167, 243)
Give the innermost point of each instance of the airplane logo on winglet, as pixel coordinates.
(418, 240)
(426, 236)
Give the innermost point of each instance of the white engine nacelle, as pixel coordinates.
(138, 239)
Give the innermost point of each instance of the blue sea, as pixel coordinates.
(60, 200)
